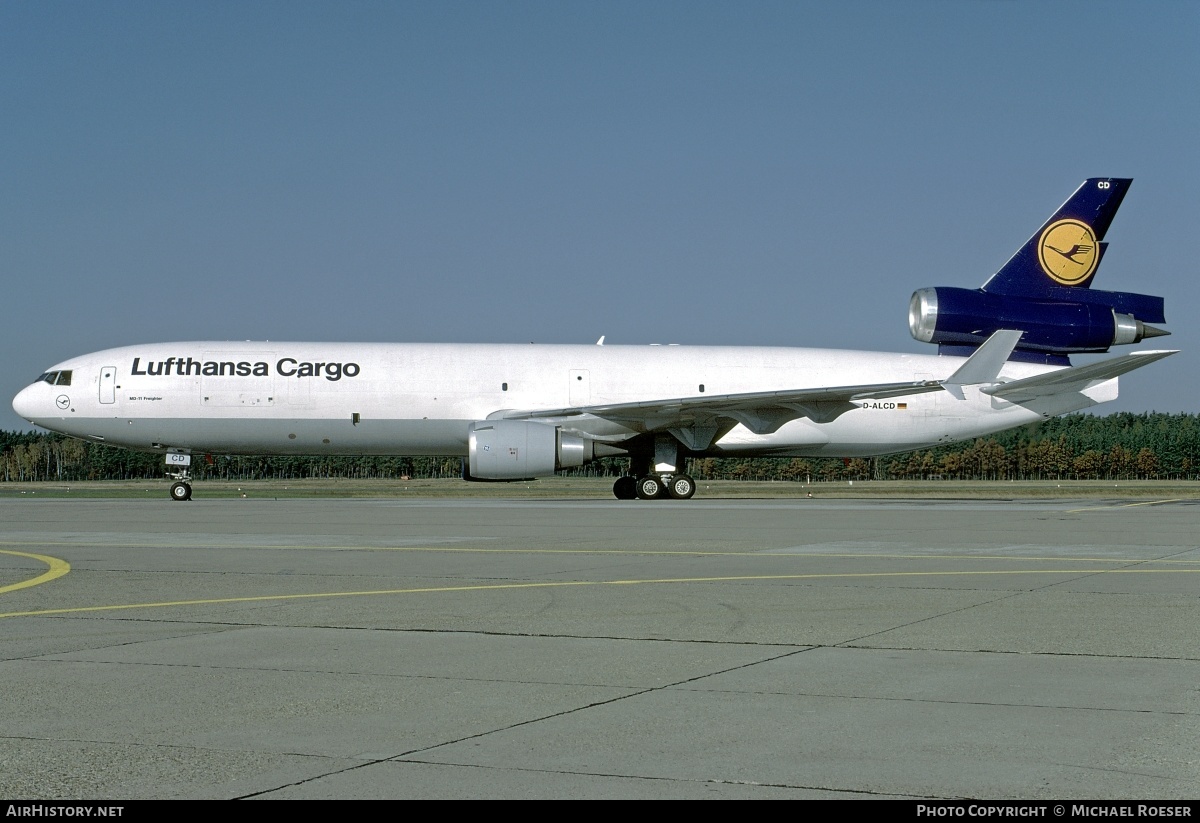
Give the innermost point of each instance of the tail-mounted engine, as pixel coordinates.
(521, 450)
(966, 317)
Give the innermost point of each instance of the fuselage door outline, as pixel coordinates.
(108, 384)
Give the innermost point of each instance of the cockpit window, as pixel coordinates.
(56, 378)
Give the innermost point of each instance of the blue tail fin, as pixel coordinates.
(1044, 291)
(1066, 251)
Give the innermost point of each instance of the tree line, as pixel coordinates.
(1122, 446)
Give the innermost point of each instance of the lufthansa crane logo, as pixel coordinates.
(1068, 252)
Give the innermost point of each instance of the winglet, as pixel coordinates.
(984, 365)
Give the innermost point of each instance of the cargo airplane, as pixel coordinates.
(516, 412)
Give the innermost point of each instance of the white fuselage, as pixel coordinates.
(420, 399)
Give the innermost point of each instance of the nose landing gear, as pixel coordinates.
(181, 490)
(177, 470)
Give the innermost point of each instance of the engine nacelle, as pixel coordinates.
(953, 316)
(522, 450)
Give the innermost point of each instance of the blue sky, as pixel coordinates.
(760, 173)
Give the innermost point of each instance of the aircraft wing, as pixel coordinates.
(1076, 378)
(697, 420)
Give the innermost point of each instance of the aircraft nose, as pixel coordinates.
(26, 402)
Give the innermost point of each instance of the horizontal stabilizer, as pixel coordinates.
(1076, 378)
(985, 364)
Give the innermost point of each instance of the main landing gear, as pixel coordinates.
(625, 488)
(654, 474)
(654, 487)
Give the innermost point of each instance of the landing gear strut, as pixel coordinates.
(177, 470)
(655, 475)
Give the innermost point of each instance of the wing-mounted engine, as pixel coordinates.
(521, 450)
(1043, 290)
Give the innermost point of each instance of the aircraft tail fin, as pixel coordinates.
(1066, 250)
(1045, 291)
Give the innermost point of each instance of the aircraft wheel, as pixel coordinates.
(650, 487)
(681, 487)
(181, 491)
(625, 488)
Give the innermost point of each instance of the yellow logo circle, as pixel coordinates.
(1068, 252)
